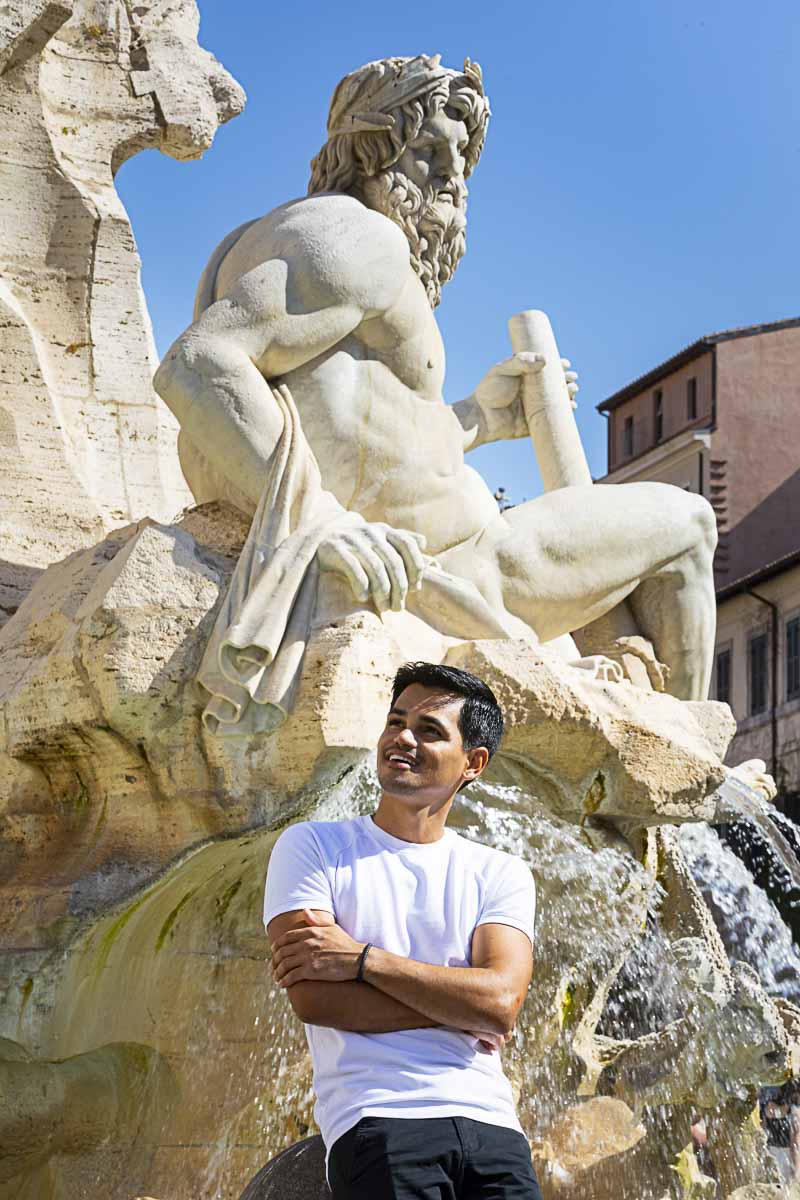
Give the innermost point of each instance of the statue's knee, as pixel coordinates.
(704, 522)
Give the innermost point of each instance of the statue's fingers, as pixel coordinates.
(380, 586)
(396, 572)
(524, 363)
(566, 363)
(409, 548)
(570, 376)
(354, 573)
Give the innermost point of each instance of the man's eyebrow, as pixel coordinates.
(436, 724)
(403, 712)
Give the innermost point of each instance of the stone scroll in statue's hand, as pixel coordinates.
(495, 411)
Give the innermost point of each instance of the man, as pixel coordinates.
(331, 297)
(406, 950)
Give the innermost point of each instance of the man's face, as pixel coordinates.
(421, 755)
(434, 160)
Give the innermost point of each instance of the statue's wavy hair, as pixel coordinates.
(347, 158)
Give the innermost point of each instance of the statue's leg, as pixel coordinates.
(571, 556)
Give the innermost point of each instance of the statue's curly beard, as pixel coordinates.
(433, 219)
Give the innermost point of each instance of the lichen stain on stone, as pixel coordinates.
(113, 931)
(594, 797)
(101, 822)
(172, 918)
(27, 991)
(223, 902)
(567, 1010)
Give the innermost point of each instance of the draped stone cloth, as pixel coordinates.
(252, 664)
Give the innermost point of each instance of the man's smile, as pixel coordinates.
(404, 762)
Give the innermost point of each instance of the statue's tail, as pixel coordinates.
(207, 288)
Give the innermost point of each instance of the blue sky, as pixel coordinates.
(641, 178)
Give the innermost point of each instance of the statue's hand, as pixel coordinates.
(380, 563)
(499, 394)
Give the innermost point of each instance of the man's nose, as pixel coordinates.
(451, 160)
(406, 737)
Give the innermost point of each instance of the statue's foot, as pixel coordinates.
(600, 667)
(639, 663)
(754, 774)
(747, 791)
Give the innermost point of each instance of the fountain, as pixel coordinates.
(175, 691)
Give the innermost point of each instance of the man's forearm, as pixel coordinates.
(461, 997)
(354, 1008)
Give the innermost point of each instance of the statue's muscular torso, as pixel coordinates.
(370, 404)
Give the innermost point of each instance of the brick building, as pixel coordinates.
(722, 418)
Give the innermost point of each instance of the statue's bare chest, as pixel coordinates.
(406, 341)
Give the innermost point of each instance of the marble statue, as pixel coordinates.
(85, 444)
(309, 393)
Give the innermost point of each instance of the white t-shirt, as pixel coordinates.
(422, 902)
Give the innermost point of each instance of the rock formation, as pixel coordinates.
(121, 925)
(85, 444)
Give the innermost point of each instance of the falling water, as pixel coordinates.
(749, 923)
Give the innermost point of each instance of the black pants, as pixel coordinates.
(431, 1158)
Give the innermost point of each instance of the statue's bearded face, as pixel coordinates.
(424, 192)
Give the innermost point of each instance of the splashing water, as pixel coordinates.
(749, 923)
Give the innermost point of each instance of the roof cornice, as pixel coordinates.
(701, 346)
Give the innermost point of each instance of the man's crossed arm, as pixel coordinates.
(317, 961)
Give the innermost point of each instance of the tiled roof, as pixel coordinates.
(759, 575)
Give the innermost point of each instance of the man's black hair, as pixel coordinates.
(480, 721)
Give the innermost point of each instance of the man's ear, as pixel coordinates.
(477, 760)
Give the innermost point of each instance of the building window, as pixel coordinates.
(627, 437)
(658, 414)
(758, 673)
(691, 399)
(723, 677)
(793, 658)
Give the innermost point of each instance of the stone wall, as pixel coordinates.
(85, 444)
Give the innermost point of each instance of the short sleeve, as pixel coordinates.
(296, 876)
(510, 897)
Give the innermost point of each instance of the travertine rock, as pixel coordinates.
(107, 772)
(766, 1191)
(101, 736)
(636, 756)
(109, 777)
(298, 1173)
(84, 442)
(587, 1133)
(75, 1106)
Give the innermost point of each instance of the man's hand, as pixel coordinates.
(499, 395)
(379, 563)
(318, 951)
(490, 1043)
